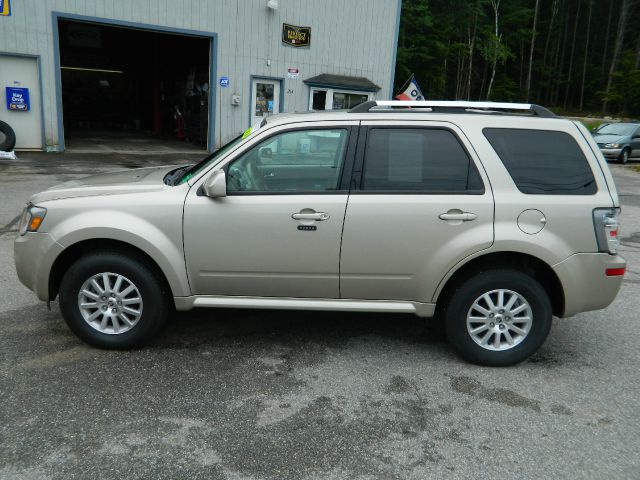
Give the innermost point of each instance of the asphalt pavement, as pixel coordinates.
(237, 394)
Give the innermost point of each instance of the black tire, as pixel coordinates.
(156, 299)
(624, 156)
(9, 141)
(465, 295)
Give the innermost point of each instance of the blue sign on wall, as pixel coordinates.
(5, 8)
(224, 82)
(18, 99)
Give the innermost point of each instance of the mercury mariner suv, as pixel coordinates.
(494, 217)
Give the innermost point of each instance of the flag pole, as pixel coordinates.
(405, 84)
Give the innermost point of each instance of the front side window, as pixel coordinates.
(543, 162)
(298, 161)
(420, 160)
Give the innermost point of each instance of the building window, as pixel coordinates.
(333, 99)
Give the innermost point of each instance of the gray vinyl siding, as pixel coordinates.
(348, 37)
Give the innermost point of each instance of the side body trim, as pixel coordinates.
(212, 301)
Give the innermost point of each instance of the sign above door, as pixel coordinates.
(296, 36)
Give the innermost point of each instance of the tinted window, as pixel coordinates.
(543, 161)
(418, 160)
(298, 161)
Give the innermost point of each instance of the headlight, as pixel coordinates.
(611, 145)
(32, 218)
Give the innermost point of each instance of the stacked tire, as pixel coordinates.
(7, 137)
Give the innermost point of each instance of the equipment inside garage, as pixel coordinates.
(117, 79)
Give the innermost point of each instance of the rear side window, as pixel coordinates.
(418, 160)
(543, 162)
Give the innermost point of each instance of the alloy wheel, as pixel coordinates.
(110, 303)
(499, 320)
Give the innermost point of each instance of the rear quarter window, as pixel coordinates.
(543, 162)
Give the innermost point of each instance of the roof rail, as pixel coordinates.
(454, 107)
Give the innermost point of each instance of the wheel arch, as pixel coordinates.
(522, 262)
(73, 252)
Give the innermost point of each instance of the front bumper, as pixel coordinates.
(611, 153)
(586, 286)
(34, 254)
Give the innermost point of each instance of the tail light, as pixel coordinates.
(607, 224)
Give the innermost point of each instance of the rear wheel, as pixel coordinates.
(498, 318)
(111, 300)
(624, 156)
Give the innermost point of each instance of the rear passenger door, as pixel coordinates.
(420, 202)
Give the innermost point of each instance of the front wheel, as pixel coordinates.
(115, 301)
(624, 156)
(498, 318)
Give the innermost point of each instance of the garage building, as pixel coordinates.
(198, 71)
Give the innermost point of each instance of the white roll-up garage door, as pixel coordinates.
(18, 73)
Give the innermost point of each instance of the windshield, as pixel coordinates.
(188, 174)
(616, 129)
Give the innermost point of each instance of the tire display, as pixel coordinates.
(7, 137)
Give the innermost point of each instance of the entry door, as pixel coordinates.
(421, 206)
(265, 98)
(22, 72)
(277, 232)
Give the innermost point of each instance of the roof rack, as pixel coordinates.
(441, 106)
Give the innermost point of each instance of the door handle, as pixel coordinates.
(462, 216)
(319, 216)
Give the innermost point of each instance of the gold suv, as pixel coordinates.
(495, 217)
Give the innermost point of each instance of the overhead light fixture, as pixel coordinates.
(92, 69)
(272, 4)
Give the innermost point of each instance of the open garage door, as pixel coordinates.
(138, 87)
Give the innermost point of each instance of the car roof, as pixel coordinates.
(458, 110)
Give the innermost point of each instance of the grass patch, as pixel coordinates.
(635, 168)
(592, 124)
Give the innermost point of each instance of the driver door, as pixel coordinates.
(277, 233)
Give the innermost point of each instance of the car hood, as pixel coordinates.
(609, 138)
(127, 181)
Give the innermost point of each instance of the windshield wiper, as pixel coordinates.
(172, 178)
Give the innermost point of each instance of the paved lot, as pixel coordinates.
(255, 394)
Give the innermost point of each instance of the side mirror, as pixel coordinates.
(265, 153)
(216, 185)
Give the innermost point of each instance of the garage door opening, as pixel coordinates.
(133, 89)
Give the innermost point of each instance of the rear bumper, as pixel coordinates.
(34, 255)
(586, 286)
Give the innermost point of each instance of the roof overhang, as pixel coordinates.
(342, 82)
